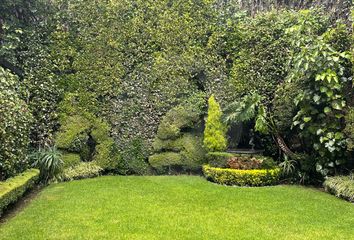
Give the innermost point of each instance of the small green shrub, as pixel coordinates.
(349, 128)
(218, 159)
(15, 187)
(255, 177)
(215, 130)
(160, 160)
(70, 159)
(81, 171)
(49, 162)
(135, 156)
(341, 186)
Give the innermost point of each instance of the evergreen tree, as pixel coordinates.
(215, 130)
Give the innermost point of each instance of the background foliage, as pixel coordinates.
(108, 80)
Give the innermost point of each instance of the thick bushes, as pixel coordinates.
(15, 187)
(341, 186)
(255, 177)
(15, 123)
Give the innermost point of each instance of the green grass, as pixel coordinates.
(179, 207)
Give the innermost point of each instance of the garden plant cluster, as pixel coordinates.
(144, 87)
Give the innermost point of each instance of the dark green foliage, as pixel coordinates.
(148, 58)
(50, 163)
(349, 128)
(12, 189)
(322, 73)
(284, 108)
(341, 186)
(160, 160)
(218, 159)
(259, 64)
(134, 157)
(81, 171)
(25, 27)
(15, 122)
(254, 177)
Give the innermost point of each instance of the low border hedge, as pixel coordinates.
(13, 188)
(81, 171)
(341, 186)
(254, 177)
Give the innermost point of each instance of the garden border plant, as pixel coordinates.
(238, 177)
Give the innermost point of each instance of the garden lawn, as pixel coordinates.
(179, 207)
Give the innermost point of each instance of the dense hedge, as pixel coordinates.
(15, 123)
(14, 188)
(254, 177)
(129, 62)
(341, 186)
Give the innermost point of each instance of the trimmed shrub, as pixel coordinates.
(134, 157)
(164, 159)
(341, 186)
(70, 159)
(188, 148)
(12, 189)
(81, 171)
(178, 142)
(218, 159)
(83, 133)
(254, 177)
(215, 130)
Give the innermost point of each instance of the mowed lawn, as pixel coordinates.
(179, 207)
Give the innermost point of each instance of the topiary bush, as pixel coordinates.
(341, 186)
(83, 133)
(255, 177)
(215, 130)
(15, 124)
(70, 159)
(178, 141)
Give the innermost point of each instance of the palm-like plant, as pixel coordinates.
(250, 107)
(49, 162)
